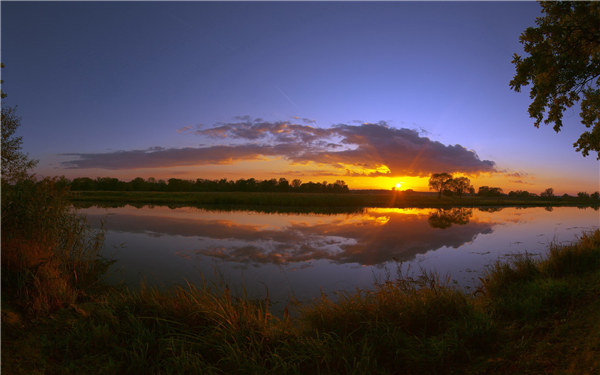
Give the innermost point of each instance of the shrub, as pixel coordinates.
(50, 256)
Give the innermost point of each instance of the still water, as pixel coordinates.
(303, 255)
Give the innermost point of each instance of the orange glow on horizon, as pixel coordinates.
(356, 179)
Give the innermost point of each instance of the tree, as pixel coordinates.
(520, 194)
(564, 67)
(138, 184)
(486, 191)
(583, 195)
(283, 184)
(439, 181)
(15, 163)
(460, 185)
(548, 193)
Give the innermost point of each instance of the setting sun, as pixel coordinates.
(398, 185)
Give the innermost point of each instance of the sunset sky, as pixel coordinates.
(374, 94)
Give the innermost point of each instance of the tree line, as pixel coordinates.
(204, 185)
(445, 184)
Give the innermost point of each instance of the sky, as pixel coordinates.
(372, 93)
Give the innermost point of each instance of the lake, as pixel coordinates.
(303, 255)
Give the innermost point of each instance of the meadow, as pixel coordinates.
(352, 199)
(58, 318)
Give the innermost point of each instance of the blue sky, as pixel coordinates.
(119, 82)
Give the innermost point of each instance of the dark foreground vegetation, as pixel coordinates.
(58, 318)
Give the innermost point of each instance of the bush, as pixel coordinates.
(49, 254)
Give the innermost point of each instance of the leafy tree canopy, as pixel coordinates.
(15, 164)
(439, 181)
(563, 67)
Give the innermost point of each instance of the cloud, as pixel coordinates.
(403, 151)
(305, 120)
(516, 174)
(372, 148)
(185, 129)
(520, 182)
(173, 157)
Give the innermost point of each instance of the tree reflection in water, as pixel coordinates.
(444, 218)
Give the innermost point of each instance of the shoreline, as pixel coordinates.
(317, 200)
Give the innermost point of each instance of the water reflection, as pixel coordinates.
(444, 218)
(372, 237)
(83, 205)
(306, 254)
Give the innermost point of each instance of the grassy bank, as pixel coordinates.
(313, 200)
(523, 315)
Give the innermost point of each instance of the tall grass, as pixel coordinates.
(408, 325)
(49, 254)
(528, 289)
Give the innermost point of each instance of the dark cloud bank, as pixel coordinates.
(368, 146)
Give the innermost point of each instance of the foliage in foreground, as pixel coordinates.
(563, 66)
(49, 254)
(406, 326)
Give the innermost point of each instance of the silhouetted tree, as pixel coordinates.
(267, 185)
(83, 183)
(520, 194)
(138, 184)
(564, 67)
(459, 185)
(486, 191)
(161, 185)
(439, 181)
(283, 185)
(583, 195)
(548, 193)
(110, 184)
(340, 187)
(202, 185)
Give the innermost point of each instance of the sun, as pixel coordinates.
(398, 185)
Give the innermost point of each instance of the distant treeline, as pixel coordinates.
(447, 185)
(486, 191)
(200, 185)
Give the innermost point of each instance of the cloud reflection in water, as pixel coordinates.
(370, 238)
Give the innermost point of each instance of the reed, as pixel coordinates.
(527, 289)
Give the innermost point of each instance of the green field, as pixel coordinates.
(312, 200)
